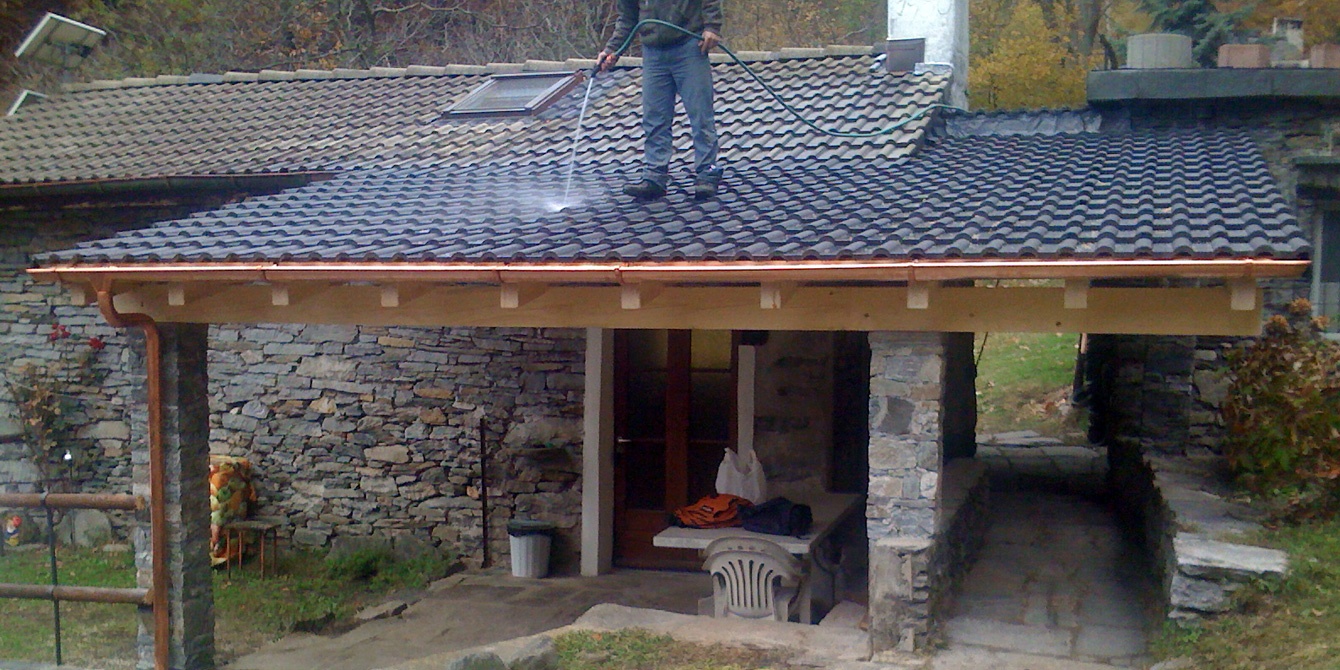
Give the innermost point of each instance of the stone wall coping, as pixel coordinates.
(957, 481)
(1195, 490)
(1207, 555)
(1114, 86)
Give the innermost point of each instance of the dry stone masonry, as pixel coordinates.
(1181, 508)
(371, 432)
(906, 373)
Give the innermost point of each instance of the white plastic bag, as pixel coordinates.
(741, 474)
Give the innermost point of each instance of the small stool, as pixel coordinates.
(265, 530)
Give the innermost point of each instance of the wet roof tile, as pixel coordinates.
(1151, 194)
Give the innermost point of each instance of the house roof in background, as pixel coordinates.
(1185, 194)
(391, 119)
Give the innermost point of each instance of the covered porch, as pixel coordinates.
(896, 349)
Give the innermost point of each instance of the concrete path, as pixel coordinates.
(473, 609)
(1056, 582)
(1055, 588)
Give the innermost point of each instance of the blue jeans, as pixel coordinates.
(685, 71)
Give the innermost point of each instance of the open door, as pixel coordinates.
(674, 418)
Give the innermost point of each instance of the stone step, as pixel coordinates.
(846, 614)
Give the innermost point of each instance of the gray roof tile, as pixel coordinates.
(329, 121)
(1156, 194)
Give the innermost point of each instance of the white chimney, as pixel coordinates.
(944, 26)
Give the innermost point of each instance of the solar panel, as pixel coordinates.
(60, 41)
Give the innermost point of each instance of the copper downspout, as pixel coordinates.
(157, 467)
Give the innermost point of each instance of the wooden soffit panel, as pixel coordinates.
(1233, 309)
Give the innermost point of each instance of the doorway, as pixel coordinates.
(674, 417)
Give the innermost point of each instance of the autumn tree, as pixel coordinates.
(1027, 57)
(1321, 18)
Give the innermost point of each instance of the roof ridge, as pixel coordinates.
(531, 65)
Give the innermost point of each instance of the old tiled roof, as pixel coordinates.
(1190, 194)
(391, 119)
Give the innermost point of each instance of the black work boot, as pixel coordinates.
(706, 184)
(644, 190)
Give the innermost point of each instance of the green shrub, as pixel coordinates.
(359, 565)
(378, 566)
(1283, 412)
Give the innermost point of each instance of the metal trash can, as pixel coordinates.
(530, 540)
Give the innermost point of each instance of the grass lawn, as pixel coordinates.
(91, 632)
(249, 611)
(1024, 383)
(634, 649)
(1292, 626)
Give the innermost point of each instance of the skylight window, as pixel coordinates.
(514, 94)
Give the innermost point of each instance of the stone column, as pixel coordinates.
(906, 408)
(186, 449)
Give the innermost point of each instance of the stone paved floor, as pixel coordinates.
(1056, 579)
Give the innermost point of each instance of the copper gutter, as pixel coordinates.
(157, 467)
(497, 273)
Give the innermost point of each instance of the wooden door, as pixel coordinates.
(674, 418)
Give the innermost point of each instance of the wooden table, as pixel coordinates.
(829, 510)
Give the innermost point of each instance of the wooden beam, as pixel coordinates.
(1150, 311)
(774, 294)
(390, 296)
(176, 294)
(80, 295)
(1076, 294)
(639, 294)
(279, 295)
(1242, 294)
(918, 295)
(514, 296)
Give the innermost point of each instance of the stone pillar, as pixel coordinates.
(186, 449)
(906, 409)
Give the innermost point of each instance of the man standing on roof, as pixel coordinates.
(672, 63)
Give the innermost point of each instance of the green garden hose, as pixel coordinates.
(773, 92)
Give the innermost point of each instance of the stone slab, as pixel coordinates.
(1039, 640)
(831, 644)
(1108, 642)
(1200, 555)
(967, 658)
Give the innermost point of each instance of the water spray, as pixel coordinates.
(576, 137)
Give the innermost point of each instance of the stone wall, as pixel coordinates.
(370, 432)
(100, 424)
(793, 411)
(1182, 513)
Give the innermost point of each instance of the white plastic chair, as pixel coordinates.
(756, 579)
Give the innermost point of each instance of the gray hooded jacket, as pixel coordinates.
(693, 15)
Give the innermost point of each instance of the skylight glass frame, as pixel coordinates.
(499, 95)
